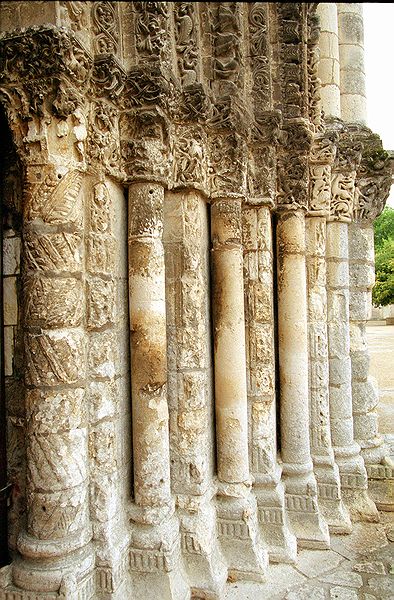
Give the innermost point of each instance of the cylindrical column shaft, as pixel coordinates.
(328, 69)
(293, 340)
(148, 346)
(229, 342)
(301, 502)
(351, 58)
(55, 373)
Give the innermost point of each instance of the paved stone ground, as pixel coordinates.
(359, 566)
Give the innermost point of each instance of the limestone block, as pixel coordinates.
(337, 241)
(366, 426)
(52, 411)
(361, 243)
(331, 99)
(8, 350)
(103, 400)
(359, 305)
(360, 364)
(351, 30)
(54, 357)
(365, 395)
(317, 307)
(101, 254)
(262, 380)
(353, 107)
(10, 300)
(104, 497)
(353, 82)
(53, 303)
(352, 57)
(328, 44)
(102, 447)
(362, 275)
(11, 255)
(102, 356)
(339, 342)
(338, 305)
(55, 252)
(338, 274)
(57, 460)
(56, 514)
(339, 368)
(318, 347)
(100, 303)
(338, 401)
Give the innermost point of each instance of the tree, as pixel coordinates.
(383, 290)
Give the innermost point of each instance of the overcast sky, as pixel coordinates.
(379, 70)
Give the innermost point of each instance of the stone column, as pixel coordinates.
(328, 67)
(300, 484)
(237, 516)
(260, 357)
(351, 57)
(190, 386)
(373, 186)
(155, 546)
(326, 471)
(347, 451)
(55, 549)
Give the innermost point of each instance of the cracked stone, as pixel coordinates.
(369, 567)
(340, 593)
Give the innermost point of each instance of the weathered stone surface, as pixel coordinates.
(189, 192)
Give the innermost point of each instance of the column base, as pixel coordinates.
(273, 522)
(381, 484)
(112, 575)
(354, 484)
(73, 573)
(305, 518)
(205, 565)
(239, 534)
(330, 501)
(155, 562)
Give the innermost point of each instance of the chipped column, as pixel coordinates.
(237, 513)
(58, 531)
(351, 57)
(347, 451)
(260, 355)
(373, 186)
(190, 394)
(300, 484)
(155, 549)
(325, 468)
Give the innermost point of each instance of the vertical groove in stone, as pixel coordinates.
(148, 346)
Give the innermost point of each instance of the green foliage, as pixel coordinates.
(384, 227)
(383, 291)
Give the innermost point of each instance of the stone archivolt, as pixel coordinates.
(180, 428)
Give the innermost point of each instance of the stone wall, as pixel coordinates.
(188, 257)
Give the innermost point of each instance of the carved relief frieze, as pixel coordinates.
(76, 13)
(227, 162)
(313, 57)
(227, 37)
(144, 144)
(151, 31)
(292, 181)
(185, 15)
(103, 140)
(259, 52)
(105, 27)
(190, 160)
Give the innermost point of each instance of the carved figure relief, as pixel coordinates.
(185, 40)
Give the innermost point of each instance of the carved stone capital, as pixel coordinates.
(189, 150)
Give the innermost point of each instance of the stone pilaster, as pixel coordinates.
(326, 471)
(260, 353)
(55, 547)
(347, 451)
(155, 543)
(237, 512)
(300, 484)
(190, 382)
